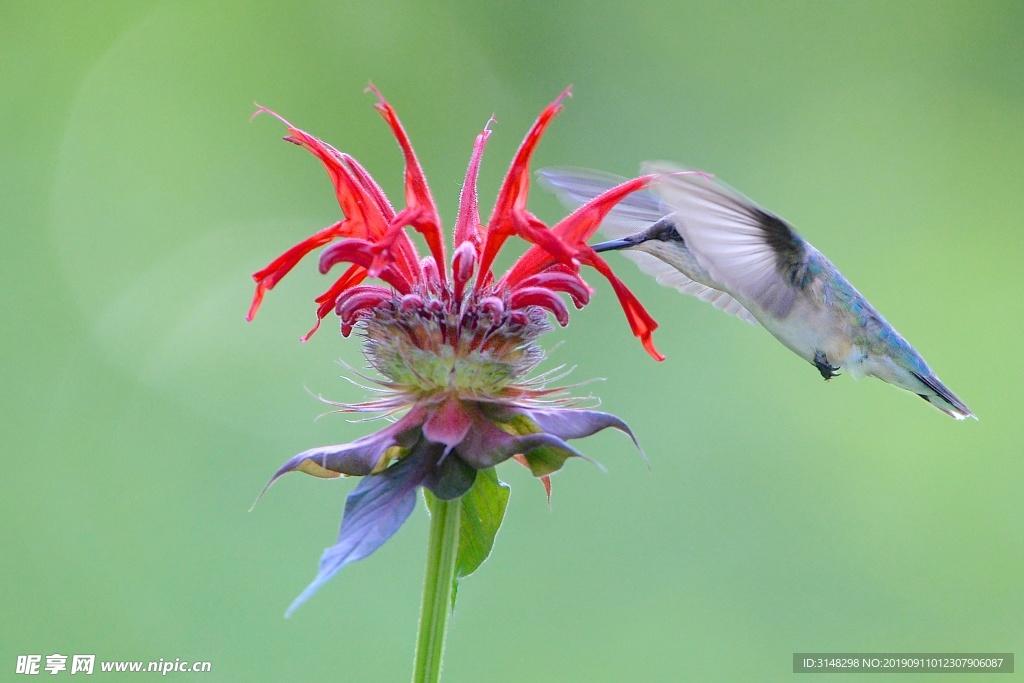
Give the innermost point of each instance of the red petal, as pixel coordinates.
(327, 301)
(575, 229)
(352, 302)
(361, 201)
(279, 267)
(419, 203)
(581, 224)
(406, 259)
(463, 263)
(351, 250)
(364, 253)
(493, 307)
(467, 225)
(566, 282)
(385, 248)
(371, 187)
(361, 211)
(527, 226)
(640, 321)
(514, 190)
(545, 298)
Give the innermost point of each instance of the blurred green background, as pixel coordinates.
(142, 415)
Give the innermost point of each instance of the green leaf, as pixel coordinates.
(483, 509)
(547, 459)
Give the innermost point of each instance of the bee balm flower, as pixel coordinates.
(455, 345)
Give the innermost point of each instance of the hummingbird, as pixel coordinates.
(707, 240)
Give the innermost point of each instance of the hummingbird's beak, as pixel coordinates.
(612, 245)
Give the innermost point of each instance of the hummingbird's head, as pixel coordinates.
(661, 239)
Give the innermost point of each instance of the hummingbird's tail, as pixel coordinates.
(942, 398)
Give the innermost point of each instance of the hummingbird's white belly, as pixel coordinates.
(811, 330)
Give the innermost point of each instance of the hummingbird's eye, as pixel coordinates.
(665, 231)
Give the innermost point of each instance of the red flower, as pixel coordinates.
(373, 239)
(455, 345)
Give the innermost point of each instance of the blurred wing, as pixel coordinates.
(666, 275)
(577, 186)
(638, 211)
(748, 250)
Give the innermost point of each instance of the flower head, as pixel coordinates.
(455, 345)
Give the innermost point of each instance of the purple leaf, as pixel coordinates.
(451, 477)
(374, 511)
(360, 457)
(577, 424)
(486, 445)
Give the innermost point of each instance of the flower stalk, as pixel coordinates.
(442, 550)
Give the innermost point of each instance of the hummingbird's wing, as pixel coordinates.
(751, 252)
(637, 212)
(577, 186)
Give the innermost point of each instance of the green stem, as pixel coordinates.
(437, 588)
